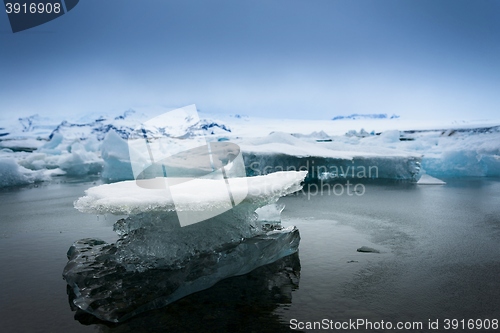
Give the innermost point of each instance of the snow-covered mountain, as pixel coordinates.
(357, 116)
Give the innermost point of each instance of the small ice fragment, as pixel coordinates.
(157, 261)
(367, 249)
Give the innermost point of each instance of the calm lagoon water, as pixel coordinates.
(439, 258)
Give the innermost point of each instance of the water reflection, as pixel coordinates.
(244, 303)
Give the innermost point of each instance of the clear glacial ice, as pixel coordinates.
(157, 261)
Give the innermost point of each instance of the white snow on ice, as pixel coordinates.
(126, 197)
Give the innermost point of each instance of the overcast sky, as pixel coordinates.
(309, 59)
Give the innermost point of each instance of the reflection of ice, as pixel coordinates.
(242, 303)
(114, 289)
(156, 261)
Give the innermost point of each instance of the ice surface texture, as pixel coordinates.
(262, 291)
(128, 198)
(156, 261)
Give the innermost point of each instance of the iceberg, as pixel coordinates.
(461, 152)
(74, 158)
(332, 159)
(157, 260)
(116, 158)
(323, 158)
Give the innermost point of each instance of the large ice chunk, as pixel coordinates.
(157, 261)
(115, 154)
(74, 157)
(328, 159)
(265, 289)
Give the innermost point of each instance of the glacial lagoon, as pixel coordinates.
(438, 258)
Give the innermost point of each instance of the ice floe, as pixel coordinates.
(156, 260)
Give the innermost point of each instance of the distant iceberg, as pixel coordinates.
(465, 152)
(333, 159)
(156, 261)
(12, 174)
(357, 116)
